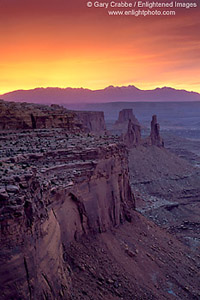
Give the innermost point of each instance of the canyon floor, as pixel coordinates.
(156, 256)
(138, 260)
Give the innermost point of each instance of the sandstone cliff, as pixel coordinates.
(65, 187)
(133, 135)
(125, 115)
(93, 121)
(34, 116)
(133, 138)
(121, 125)
(155, 138)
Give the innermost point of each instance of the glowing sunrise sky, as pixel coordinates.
(62, 43)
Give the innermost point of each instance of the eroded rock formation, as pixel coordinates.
(121, 125)
(34, 116)
(125, 115)
(155, 138)
(133, 135)
(133, 138)
(52, 192)
(93, 121)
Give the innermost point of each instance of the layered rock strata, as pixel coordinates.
(34, 116)
(55, 187)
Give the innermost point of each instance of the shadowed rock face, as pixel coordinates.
(128, 126)
(52, 197)
(125, 115)
(34, 116)
(155, 133)
(130, 130)
(93, 121)
(133, 135)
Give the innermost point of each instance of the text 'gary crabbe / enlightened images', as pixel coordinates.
(142, 8)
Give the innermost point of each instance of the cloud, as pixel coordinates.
(64, 40)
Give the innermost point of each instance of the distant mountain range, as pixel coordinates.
(110, 94)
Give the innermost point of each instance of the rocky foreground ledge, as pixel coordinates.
(55, 187)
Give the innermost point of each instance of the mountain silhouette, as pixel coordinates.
(109, 94)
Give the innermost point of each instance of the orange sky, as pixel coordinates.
(63, 43)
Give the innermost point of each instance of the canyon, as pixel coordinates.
(78, 212)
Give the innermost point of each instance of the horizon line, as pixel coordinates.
(90, 89)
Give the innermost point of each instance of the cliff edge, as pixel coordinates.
(64, 188)
(18, 116)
